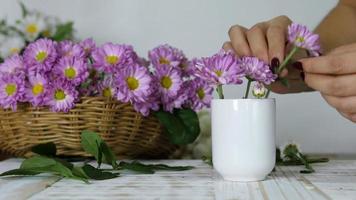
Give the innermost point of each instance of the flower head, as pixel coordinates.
(72, 69)
(151, 103)
(301, 37)
(12, 90)
(200, 94)
(169, 81)
(12, 65)
(37, 90)
(166, 55)
(107, 87)
(170, 102)
(11, 45)
(257, 70)
(32, 25)
(88, 45)
(62, 96)
(111, 57)
(259, 90)
(221, 68)
(40, 55)
(134, 84)
(69, 49)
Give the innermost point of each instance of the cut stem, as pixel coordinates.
(267, 94)
(219, 90)
(248, 88)
(289, 56)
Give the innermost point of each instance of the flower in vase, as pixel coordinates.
(12, 90)
(11, 45)
(88, 45)
(69, 49)
(32, 25)
(40, 55)
(72, 70)
(62, 96)
(12, 65)
(200, 94)
(259, 90)
(107, 87)
(257, 70)
(111, 57)
(221, 68)
(301, 37)
(166, 55)
(134, 84)
(37, 91)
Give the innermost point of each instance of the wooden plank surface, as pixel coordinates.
(333, 180)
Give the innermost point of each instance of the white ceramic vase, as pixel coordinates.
(243, 138)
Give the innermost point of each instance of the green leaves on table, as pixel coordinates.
(46, 161)
(182, 126)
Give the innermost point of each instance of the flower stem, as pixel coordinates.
(267, 94)
(289, 56)
(219, 90)
(248, 88)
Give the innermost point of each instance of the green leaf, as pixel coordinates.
(109, 156)
(169, 168)
(182, 126)
(98, 174)
(284, 82)
(37, 162)
(20, 172)
(100, 154)
(136, 167)
(64, 31)
(90, 141)
(65, 163)
(45, 149)
(79, 172)
(23, 9)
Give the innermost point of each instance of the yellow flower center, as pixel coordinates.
(166, 82)
(112, 59)
(107, 92)
(32, 28)
(218, 73)
(300, 39)
(10, 89)
(41, 56)
(59, 95)
(164, 61)
(132, 83)
(14, 50)
(70, 73)
(201, 93)
(37, 89)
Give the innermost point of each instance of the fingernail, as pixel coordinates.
(302, 75)
(274, 64)
(298, 65)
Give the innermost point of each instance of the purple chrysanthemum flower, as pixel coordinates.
(108, 87)
(300, 36)
(37, 90)
(259, 90)
(12, 65)
(257, 70)
(88, 45)
(200, 94)
(169, 81)
(40, 55)
(166, 55)
(69, 49)
(134, 84)
(169, 103)
(111, 57)
(221, 68)
(73, 70)
(62, 96)
(151, 103)
(12, 90)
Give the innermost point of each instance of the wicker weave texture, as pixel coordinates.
(127, 132)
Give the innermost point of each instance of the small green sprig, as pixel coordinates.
(46, 161)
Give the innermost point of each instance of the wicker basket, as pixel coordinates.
(127, 132)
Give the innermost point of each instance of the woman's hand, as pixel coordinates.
(267, 41)
(334, 75)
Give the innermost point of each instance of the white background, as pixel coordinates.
(199, 28)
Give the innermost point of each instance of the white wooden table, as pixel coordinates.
(333, 180)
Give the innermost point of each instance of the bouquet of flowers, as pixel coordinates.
(32, 26)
